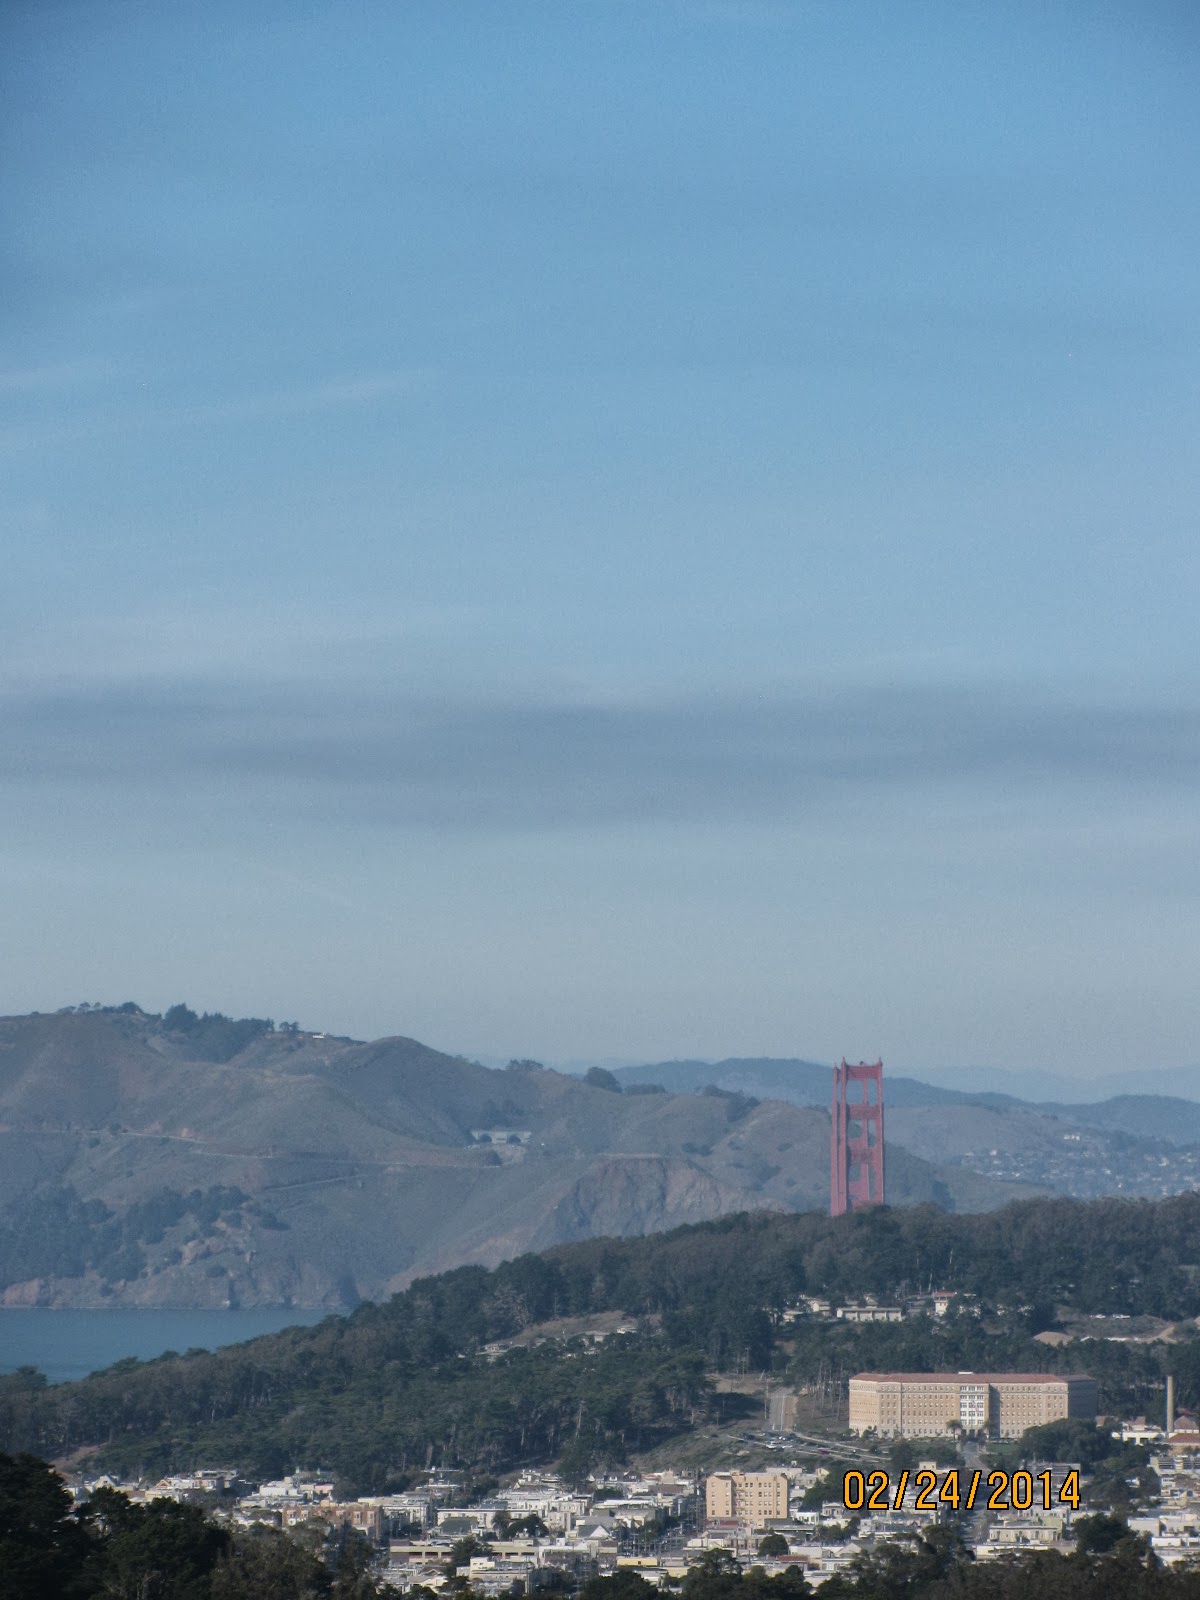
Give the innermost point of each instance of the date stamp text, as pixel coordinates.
(960, 1491)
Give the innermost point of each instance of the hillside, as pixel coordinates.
(191, 1161)
(421, 1380)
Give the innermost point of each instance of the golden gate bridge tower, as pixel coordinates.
(856, 1138)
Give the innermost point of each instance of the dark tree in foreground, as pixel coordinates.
(159, 1551)
(113, 1549)
(45, 1552)
(270, 1566)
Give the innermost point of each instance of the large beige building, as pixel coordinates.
(913, 1404)
(754, 1498)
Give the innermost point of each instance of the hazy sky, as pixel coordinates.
(623, 529)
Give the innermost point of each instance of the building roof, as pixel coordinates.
(970, 1377)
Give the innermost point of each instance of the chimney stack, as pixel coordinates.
(1170, 1404)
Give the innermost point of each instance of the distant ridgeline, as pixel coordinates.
(399, 1387)
(211, 1036)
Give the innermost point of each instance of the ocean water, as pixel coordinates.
(70, 1344)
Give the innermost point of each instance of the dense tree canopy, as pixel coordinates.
(402, 1386)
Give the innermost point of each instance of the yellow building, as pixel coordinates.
(753, 1498)
(917, 1404)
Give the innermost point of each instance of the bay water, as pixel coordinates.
(70, 1344)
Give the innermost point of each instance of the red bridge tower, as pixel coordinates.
(856, 1138)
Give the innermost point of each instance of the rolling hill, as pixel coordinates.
(189, 1161)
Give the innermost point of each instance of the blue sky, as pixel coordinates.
(607, 530)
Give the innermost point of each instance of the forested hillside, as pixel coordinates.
(400, 1386)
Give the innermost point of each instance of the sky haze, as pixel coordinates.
(608, 530)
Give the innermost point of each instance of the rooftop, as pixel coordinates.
(973, 1377)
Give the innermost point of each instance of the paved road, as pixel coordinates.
(809, 1442)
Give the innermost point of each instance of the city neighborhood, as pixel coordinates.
(539, 1534)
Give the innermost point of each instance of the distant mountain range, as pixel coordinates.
(1130, 1144)
(179, 1160)
(807, 1083)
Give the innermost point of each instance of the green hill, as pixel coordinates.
(398, 1387)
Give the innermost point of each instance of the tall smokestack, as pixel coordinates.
(1170, 1404)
